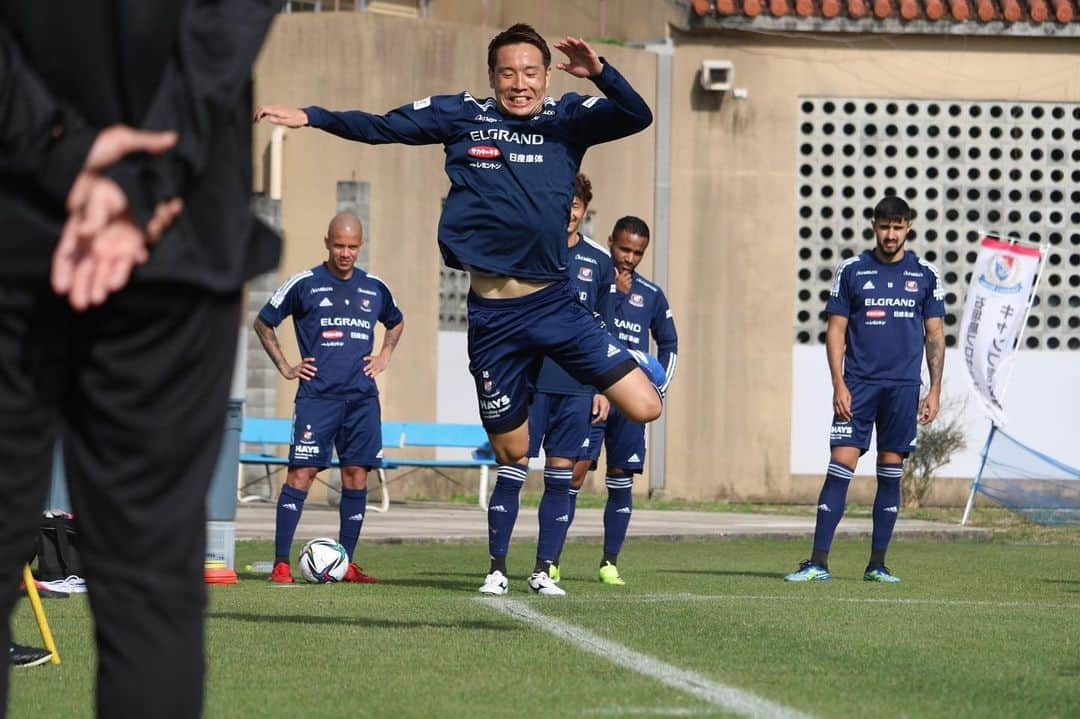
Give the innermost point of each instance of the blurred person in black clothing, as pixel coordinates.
(125, 253)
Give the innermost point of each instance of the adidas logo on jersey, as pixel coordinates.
(563, 518)
(358, 517)
(894, 510)
(290, 506)
(612, 350)
(634, 458)
(868, 286)
(824, 508)
(497, 508)
(326, 302)
(623, 510)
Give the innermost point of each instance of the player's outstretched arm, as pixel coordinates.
(935, 363)
(268, 337)
(376, 364)
(281, 115)
(581, 60)
(622, 112)
(835, 343)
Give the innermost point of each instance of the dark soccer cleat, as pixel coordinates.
(354, 574)
(281, 574)
(880, 574)
(27, 656)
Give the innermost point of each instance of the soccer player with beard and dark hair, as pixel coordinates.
(512, 159)
(885, 309)
(334, 307)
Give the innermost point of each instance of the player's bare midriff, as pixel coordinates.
(498, 287)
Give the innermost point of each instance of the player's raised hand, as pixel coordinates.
(929, 407)
(842, 402)
(281, 115)
(624, 279)
(305, 371)
(581, 59)
(375, 364)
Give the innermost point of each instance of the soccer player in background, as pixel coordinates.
(885, 309)
(562, 408)
(512, 160)
(334, 307)
(638, 309)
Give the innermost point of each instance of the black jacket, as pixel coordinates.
(69, 68)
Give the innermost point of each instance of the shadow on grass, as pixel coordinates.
(301, 619)
(724, 573)
(1061, 581)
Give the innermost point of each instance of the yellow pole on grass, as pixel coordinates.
(39, 614)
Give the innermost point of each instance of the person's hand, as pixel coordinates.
(841, 402)
(281, 115)
(581, 60)
(375, 364)
(305, 371)
(601, 405)
(624, 280)
(109, 147)
(88, 268)
(929, 407)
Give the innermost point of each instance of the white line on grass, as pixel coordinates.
(686, 597)
(720, 695)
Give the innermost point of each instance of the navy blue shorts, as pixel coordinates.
(353, 427)
(591, 449)
(893, 409)
(509, 338)
(624, 443)
(560, 423)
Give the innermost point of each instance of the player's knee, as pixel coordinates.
(644, 408)
(354, 477)
(301, 478)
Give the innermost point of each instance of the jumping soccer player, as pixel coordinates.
(885, 307)
(512, 160)
(639, 309)
(563, 408)
(334, 307)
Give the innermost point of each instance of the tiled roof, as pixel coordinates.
(945, 11)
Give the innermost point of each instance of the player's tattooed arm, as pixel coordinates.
(268, 337)
(935, 363)
(375, 364)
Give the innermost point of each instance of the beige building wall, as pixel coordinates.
(733, 226)
(376, 62)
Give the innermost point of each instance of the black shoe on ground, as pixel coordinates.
(28, 656)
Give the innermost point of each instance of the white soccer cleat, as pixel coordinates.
(495, 583)
(541, 583)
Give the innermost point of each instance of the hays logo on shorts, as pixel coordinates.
(841, 431)
(484, 152)
(637, 300)
(585, 274)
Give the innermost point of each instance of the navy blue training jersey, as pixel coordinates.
(511, 178)
(591, 276)
(335, 323)
(643, 311)
(886, 306)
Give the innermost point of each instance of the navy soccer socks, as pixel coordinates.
(554, 515)
(503, 512)
(886, 511)
(289, 507)
(830, 510)
(352, 508)
(617, 513)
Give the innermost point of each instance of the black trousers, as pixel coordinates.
(137, 392)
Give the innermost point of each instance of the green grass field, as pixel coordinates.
(977, 629)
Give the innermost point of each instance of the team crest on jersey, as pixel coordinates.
(365, 305)
(637, 300)
(585, 274)
(911, 285)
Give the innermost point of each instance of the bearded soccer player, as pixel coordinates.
(334, 307)
(562, 408)
(512, 160)
(885, 309)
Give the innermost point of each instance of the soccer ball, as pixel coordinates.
(323, 560)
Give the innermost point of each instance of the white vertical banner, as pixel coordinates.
(996, 306)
